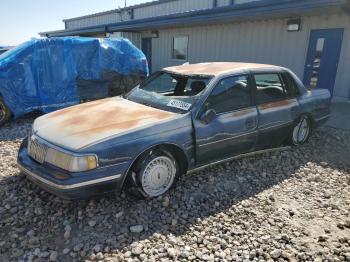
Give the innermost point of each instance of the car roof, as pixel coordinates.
(216, 68)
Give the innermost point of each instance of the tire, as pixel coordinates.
(301, 131)
(152, 175)
(5, 113)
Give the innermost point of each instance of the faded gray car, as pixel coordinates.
(179, 120)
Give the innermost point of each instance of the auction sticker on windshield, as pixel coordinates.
(179, 104)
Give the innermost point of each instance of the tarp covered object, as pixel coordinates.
(52, 73)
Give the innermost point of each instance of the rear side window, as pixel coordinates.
(292, 89)
(230, 94)
(270, 88)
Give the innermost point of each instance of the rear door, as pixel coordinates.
(277, 108)
(233, 129)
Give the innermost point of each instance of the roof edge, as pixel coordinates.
(121, 9)
(241, 11)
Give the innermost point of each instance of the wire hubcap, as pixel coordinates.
(158, 176)
(2, 112)
(301, 131)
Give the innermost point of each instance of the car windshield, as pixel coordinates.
(170, 92)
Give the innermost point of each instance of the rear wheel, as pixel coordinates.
(5, 113)
(153, 175)
(301, 131)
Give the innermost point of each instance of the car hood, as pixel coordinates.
(81, 126)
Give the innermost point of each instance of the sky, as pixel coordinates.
(21, 20)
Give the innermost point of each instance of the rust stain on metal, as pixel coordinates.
(105, 115)
(275, 104)
(87, 123)
(75, 109)
(215, 68)
(242, 112)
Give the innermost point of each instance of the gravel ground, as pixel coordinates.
(292, 205)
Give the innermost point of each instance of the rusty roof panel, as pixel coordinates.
(214, 68)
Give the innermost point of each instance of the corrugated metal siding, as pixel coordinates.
(114, 17)
(135, 38)
(172, 7)
(245, 1)
(262, 41)
(157, 9)
(228, 2)
(223, 3)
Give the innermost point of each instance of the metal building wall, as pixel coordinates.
(135, 38)
(145, 11)
(261, 41)
(171, 7)
(220, 3)
(228, 2)
(101, 19)
(244, 1)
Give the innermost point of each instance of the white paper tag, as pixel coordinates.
(179, 104)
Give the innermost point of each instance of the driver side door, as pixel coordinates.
(232, 129)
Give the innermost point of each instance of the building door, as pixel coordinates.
(146, 47)
(322, 58)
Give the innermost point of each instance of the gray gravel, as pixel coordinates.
(284, 206)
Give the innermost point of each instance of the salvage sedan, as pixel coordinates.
(179, 120)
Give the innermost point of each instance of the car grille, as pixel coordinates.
(37, 150)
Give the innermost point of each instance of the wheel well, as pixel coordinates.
(179, 155)
(312, 120)
(174, 150)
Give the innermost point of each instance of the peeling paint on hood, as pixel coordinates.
(79, 126)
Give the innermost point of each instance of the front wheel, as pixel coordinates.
(5, 113)
(153, 175)
(301, 131)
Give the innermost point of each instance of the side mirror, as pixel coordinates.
(208, 116)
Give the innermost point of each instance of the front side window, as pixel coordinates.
(269, 87)
(180, 47)
(230, 94)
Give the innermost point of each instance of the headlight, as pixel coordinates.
(72, 163)
(83, 163)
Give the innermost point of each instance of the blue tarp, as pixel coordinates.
(52, 73)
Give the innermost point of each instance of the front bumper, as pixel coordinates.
(70, 186)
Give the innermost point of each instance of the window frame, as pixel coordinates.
(252, 101)
(279, 73)
(286, 75)
(156, 74)
(173, 47)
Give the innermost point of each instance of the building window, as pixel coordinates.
(180, 47)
